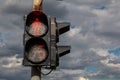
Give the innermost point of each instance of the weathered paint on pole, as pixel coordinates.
(37, 5)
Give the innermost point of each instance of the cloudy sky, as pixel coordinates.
(94, 37)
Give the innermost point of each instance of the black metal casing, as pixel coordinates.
(29, 39)
(50, 39)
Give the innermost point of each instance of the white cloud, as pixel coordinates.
(11, 62)
(101, 13)
(100, 52)
(107, 59)
(83, 78)
(74, 32)
(111, 65)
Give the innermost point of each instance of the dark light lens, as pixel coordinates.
(37, 54)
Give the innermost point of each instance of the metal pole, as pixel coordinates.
(35, 73)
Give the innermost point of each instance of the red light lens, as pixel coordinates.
(36, 24)
(37, 28)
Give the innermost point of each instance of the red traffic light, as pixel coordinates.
(37, 28)
(36, 24)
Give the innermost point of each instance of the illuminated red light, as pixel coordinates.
(37, 20)
(36, 26)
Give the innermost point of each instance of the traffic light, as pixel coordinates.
(41, 35)
(36, 40)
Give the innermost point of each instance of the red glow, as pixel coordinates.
(40, 46)
(37, 20)
(36, 25)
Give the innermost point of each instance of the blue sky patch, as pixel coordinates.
(115, 51)
(91, 69)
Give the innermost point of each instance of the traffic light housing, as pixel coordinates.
(41, 35)
(36, 40)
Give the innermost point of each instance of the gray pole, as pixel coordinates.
(35, 73)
